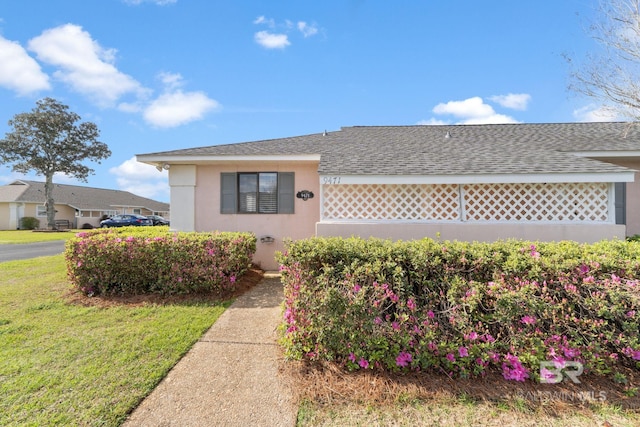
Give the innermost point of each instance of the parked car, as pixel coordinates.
(125, 220)
(158, 220)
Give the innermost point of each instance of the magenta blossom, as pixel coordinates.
(364, 363)
(403, 359)
(528, 320)
(471, 337)
(451, 357)
(463, 352)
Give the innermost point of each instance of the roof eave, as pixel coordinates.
(161, 160)
(622, 176)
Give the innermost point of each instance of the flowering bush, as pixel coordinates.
(462, 308)
(135, 260)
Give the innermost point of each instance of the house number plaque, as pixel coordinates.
(331, 180)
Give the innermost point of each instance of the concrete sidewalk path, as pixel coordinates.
(230, 377)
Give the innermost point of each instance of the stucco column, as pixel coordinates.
(182, 180)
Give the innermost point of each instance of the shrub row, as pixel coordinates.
(137, 260)
(462, 308)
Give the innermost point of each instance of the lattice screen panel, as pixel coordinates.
(391, 202)
(571, 202)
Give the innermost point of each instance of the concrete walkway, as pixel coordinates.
(230, 377)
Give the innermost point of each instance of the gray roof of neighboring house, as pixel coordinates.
(445, 149)
(83, 198)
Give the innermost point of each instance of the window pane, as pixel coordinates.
(268, 193)
(248, 196)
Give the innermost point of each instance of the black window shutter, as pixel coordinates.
(228, 193)
(286, 192)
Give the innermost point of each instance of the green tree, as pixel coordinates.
(48, 140)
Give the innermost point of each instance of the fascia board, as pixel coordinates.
(477, 179)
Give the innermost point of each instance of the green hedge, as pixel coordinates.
(137, 260)
(29, 223)
(462, 308)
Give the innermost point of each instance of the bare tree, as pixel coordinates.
(48, 140)
(612, 75)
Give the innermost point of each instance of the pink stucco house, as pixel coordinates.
(566, 181)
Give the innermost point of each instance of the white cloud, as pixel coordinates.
(271, 41)
(177, 108)
(469, 108)
(306, 29)
(280, 40)
(471, 111)
(141, 179)
(432, 122)
(515, 101)
(171, 80)
(591, 113)
(20, 72)
(262, 20)
(83, 64)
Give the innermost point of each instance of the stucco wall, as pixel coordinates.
(299, 225)
(587, 233)
(5, 216)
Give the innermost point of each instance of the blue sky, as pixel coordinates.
(158, 75)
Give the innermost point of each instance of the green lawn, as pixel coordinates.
(28, 236)
(63, 364)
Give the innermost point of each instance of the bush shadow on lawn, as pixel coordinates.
(248, 280)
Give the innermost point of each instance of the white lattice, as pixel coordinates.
(391, 202)
(539, 202)
(571, 202)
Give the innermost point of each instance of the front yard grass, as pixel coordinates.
(28, 236)
(67, 364)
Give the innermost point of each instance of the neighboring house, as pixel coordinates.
(568, 181)
(76, 204)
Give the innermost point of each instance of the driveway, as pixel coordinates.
(30, 250)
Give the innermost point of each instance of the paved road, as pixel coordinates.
(30, 250)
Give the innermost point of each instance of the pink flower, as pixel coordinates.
(430, 314)
(352, 357)
(471, 337)
(364, 363)
(535, 254)
(488, 338)
(403, 359)
(411, 304)
(356, 288)
(528, 320)
(571, 352)
(512, 369)
(450, 357)
(463, 352)
(395, 325)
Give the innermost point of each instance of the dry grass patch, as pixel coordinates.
(332, 396)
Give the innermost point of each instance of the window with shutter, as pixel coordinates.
(257, 192)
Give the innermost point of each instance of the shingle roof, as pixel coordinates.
(426, 150)
(79, 197)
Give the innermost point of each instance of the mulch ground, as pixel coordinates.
(329, 383)
(247, 281)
